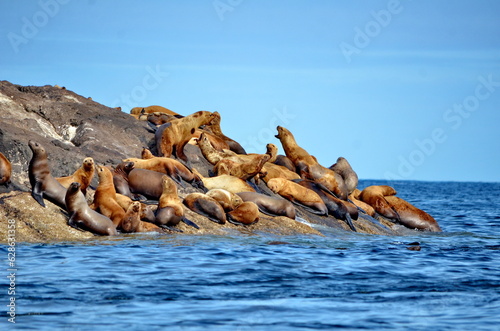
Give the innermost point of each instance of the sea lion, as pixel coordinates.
(210, 153)
(344, 169)
(412, 217)
(298, 194)
(280, 160)
(246, 213)
(354, 197)
(272, 170)
(226, 182)
(375, 197)
(228, 200)
(82, 175)
(82, 216)
(158, 118)
(120, 179)
(42, 182)
(176, 170)
(170, 210)
(151, 109)
(146, 213)
(5, 170)
(214, 127)
(132, 223)
(145, 182)
(336, 207)
(218, 143)
(308, 167)
(105, 197)
(270, 205)
(245, 170)
(175, 136)
(204, 205)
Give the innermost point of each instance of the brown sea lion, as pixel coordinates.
(228, 200)
(5, 170)
(204, 205)
(120, 179)
(245, 170)
(42, 182)
(246, 213)
(146, 182)
(176, 135)
(271, 170)
(175, 169)
(146, 154)
(146, 213)
(151, 109)
(298, 194)
(132, 223)
(105, 197)
(81, 216)
(158, 118)
(214, 127)
(308, 167)
(375, 197)
(216, 142)
(82, 175)
(344, 169)
(226, 182)
(280, 160)
(270, 205)
(210, 153)
(354, 197)
(339, 209)
(412, 217)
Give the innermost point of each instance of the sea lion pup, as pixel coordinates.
(170, 211)
(105, 197)
(354, 197)
(210, 153)
(42, 182)
(5, 170)
(412, 217)
(82, 216)
(270, 205)
(82, 175)
(132, 223)
(246, 213)
(228, 200)
(176, 135)
(375, 197)
(206, 206)
(173, 168)
(339, 209)
(344, 169)
(214, 127)
(151, 109)
(245, 170)
(308, 167)
(226, 182)
(298, 194)
(146, 213)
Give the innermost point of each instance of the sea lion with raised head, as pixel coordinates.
(298, 194)
(375, 196)
(344, 169)
(206, 206)
(412, 217)
(308, 167)
(176, 135)
(82, 175)
(82, 216)
(214, 127)
(132, 223)
(270, 205)
(212, 154)
(105, 197)
(5, 170)
(41, 180)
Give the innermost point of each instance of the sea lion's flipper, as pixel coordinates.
(150, 202)
(171, 228)
(348, 220)
(176, 178)
(153, 127)
(309, 209)
(137, 197)
(37, 193)
(190, 223)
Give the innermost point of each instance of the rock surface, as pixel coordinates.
(72, 127)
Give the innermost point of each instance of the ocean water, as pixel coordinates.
(343, 280)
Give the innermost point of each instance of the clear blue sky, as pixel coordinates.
(402, 89)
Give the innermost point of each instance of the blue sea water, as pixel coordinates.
(343, 280)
